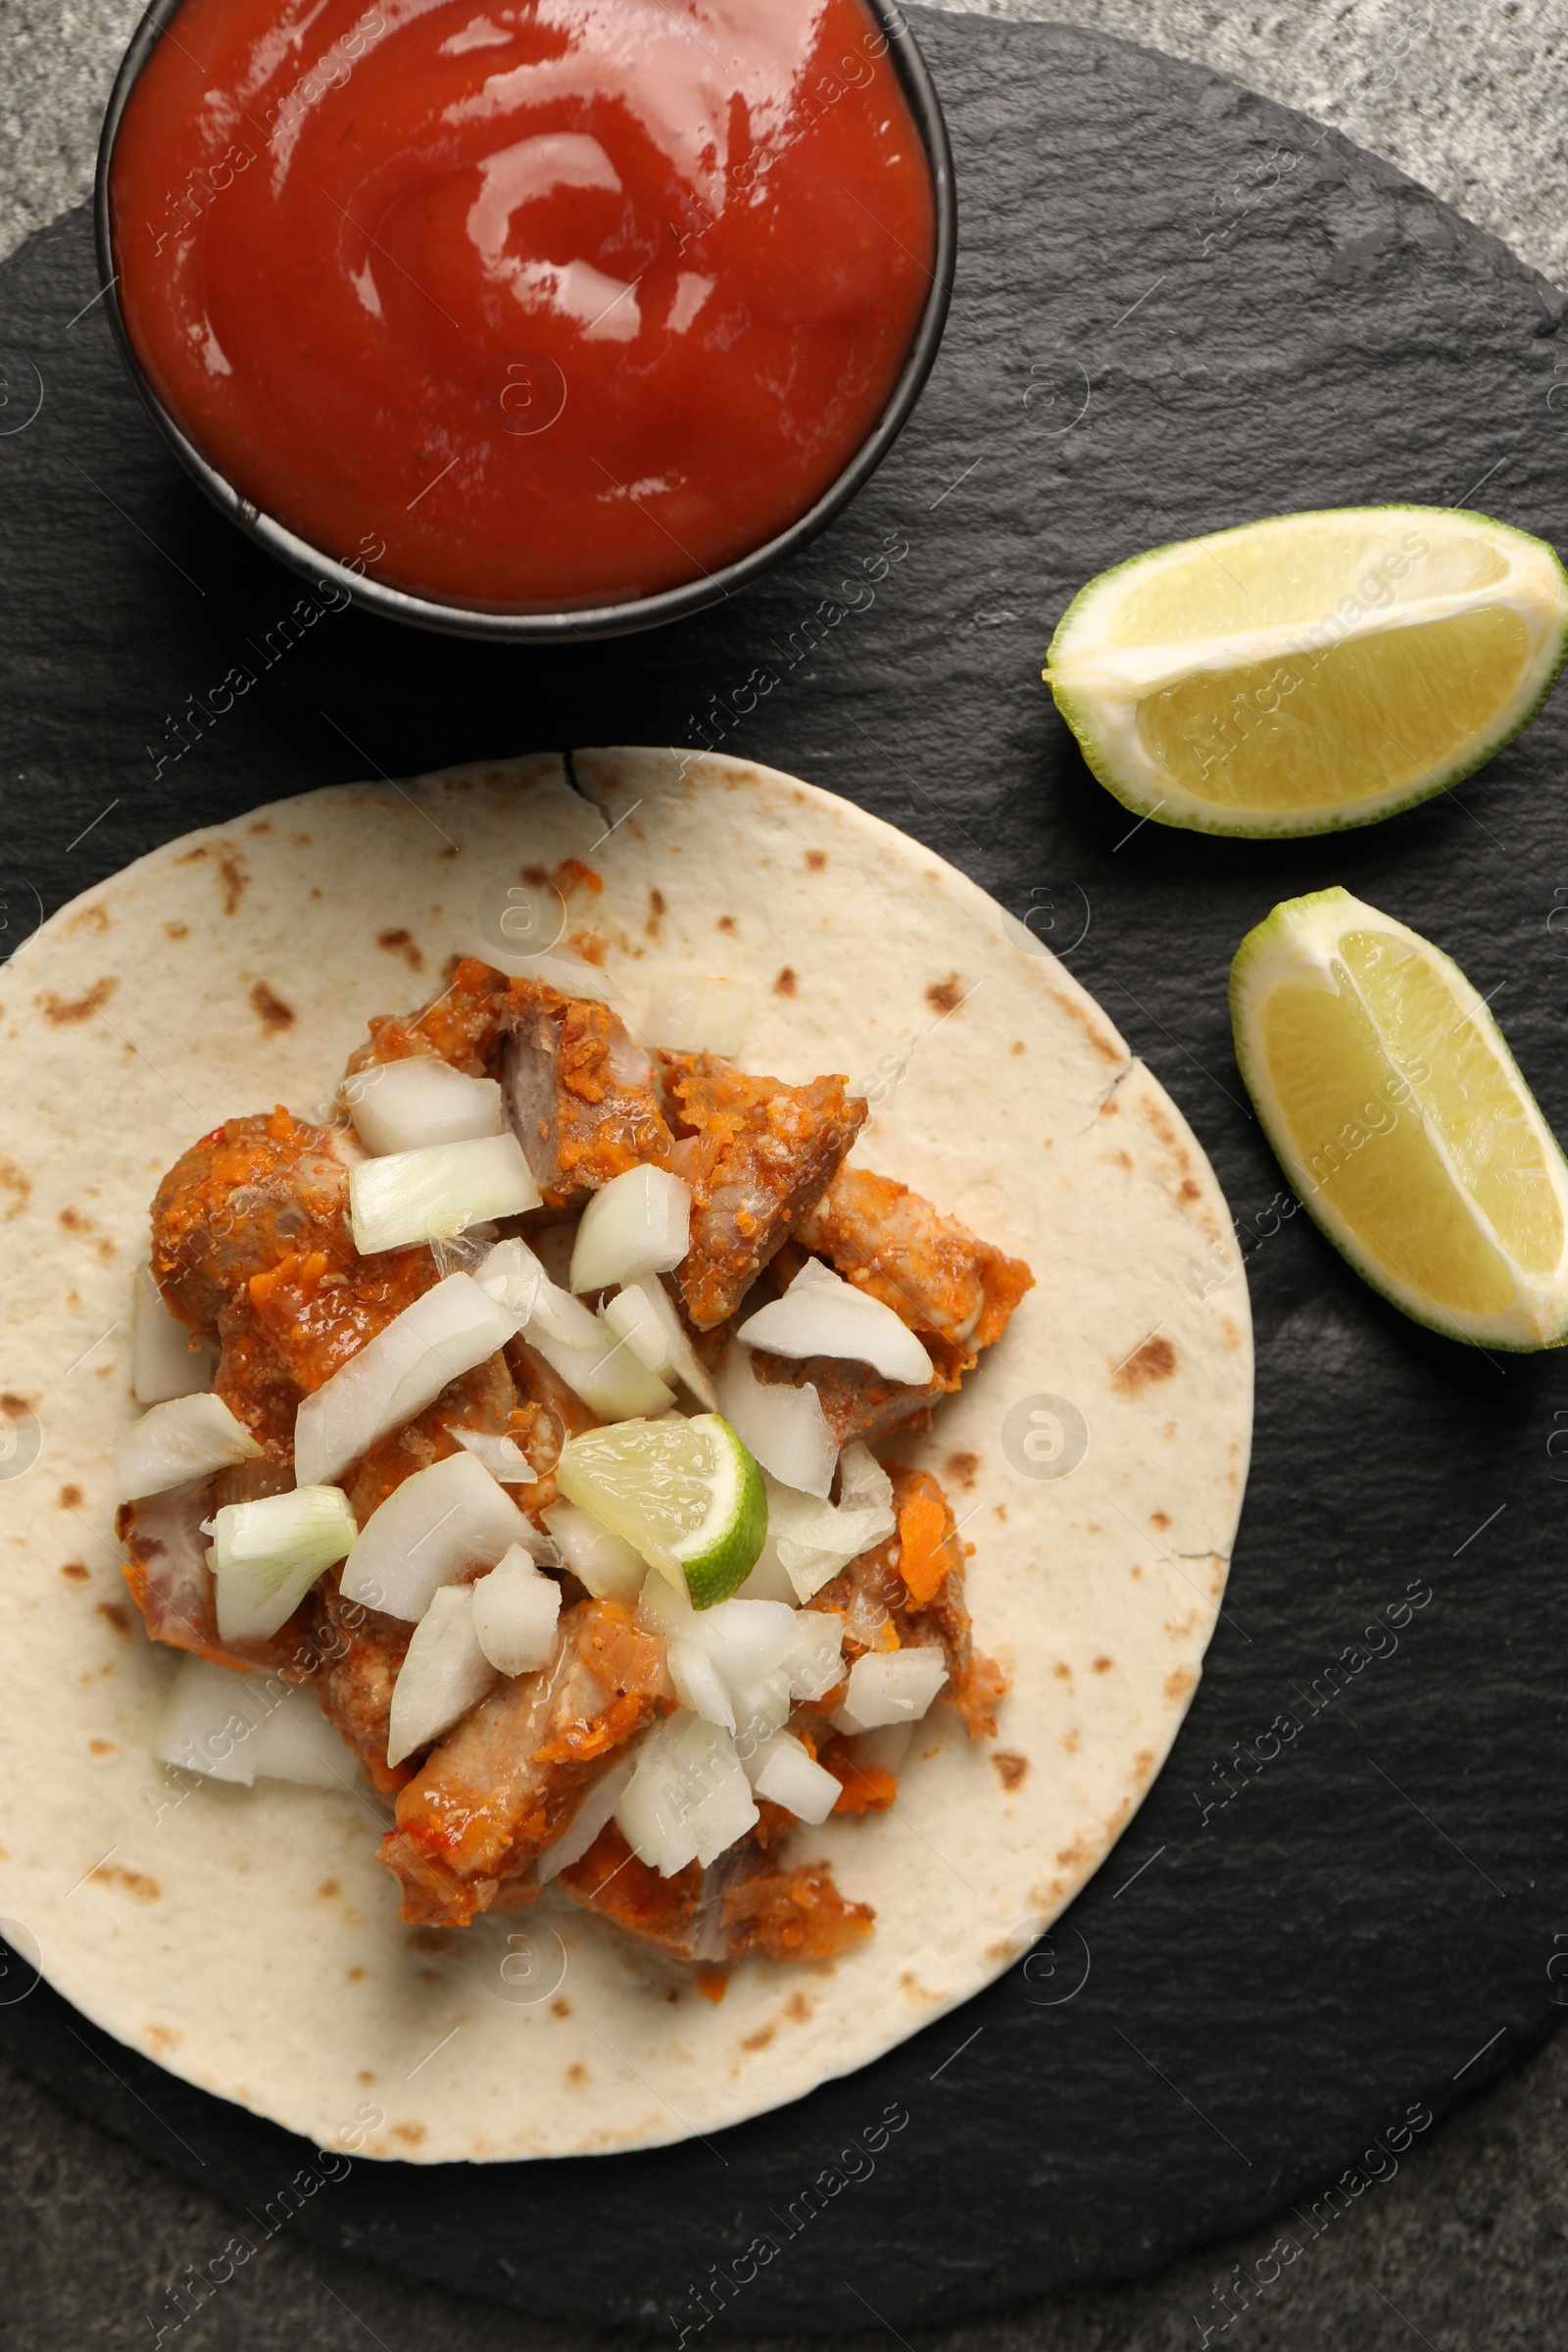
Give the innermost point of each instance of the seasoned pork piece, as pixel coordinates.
(931, 1270)
(741, 1904)
(485, 1399)
(907, 1593)
(578, 1091)
(360, 1654)
(757, 1154)
(463, 1025)
(954, 1291)
(857, 1401)
(254, 1192)
(171, 1583)
(506, 1783)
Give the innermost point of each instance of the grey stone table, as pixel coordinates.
(1465, 2246)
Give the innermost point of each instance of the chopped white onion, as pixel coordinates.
(515, 1614)
(688, 1798)
(891, 1686)
(697, 1682)
(189, 1437)
(502, 1457)
(401, 1371)
(408, 1106)
(763, 1653)
(611, 1568)
(690, 1015)
(786, 1774)
(511, 1275)
(769, 1580)
(811, 1539)
(881, 1751)
(413, 1196)
(644, 1314)
(266, 1555)
(597, 1807)
(167, 1358)
(250, 1727)
(595, 1361)
(638, 1223)
(430, 1531)
(444, 1673)
(783, 1425)
(822, 1314)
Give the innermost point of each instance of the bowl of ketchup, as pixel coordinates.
(531, 320)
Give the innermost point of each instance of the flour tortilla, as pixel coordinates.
(247, 1939)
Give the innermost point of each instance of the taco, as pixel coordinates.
(674, 1491)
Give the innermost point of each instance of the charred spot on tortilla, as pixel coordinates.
(270, 1008)
(236, 882)
(944, 996)
(399, 941)
(76, 1572)
(69, 1498)
(1009, 1769)
(64, 1012)
(1155, 1358)
(784, 983)
(815, 861)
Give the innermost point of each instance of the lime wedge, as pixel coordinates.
(1400, 1118)
(1312, 670)
(685, 1493)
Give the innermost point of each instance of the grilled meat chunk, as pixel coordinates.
(578, 1091)
(932, 1271)
(741, 1904)
(756, 1155)
(956, 1290)
(359, 1653)
(171, 1583)
(254, 1192)
(504, 1784)
(463, 1025)
(907, 1593)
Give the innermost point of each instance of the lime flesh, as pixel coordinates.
(1311, 671)
(1400, 1117)
(687, 1495)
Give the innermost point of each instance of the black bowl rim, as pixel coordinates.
(574, 623)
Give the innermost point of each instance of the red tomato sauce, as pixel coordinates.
(566, 300)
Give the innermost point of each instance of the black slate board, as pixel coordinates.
(1177, 307)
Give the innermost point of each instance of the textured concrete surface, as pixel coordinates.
(1467, 99)
(1467, 2246)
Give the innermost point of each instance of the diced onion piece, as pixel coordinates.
(688, 1798)
(266, 1555)
(596, 1362)
(167, 1358)
(511, 1275)
(891, 1686)
(190, 1437)
(697, 1682)
(502, 1457)
(811, 1539)
(783, 1425)
(690, 1014)
(514, 1613)
(815, 1664)
(611, 1568)
(401, 1371)
(413, 1196)
(644, 1314)
(444, 1673)
(408, 1106)
(638, 1223)
(430, 1531)
(597, 1807)
(250, 1727)
(822, 1314)
(782, 1770)
(769, 1580)
(881, 1751)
